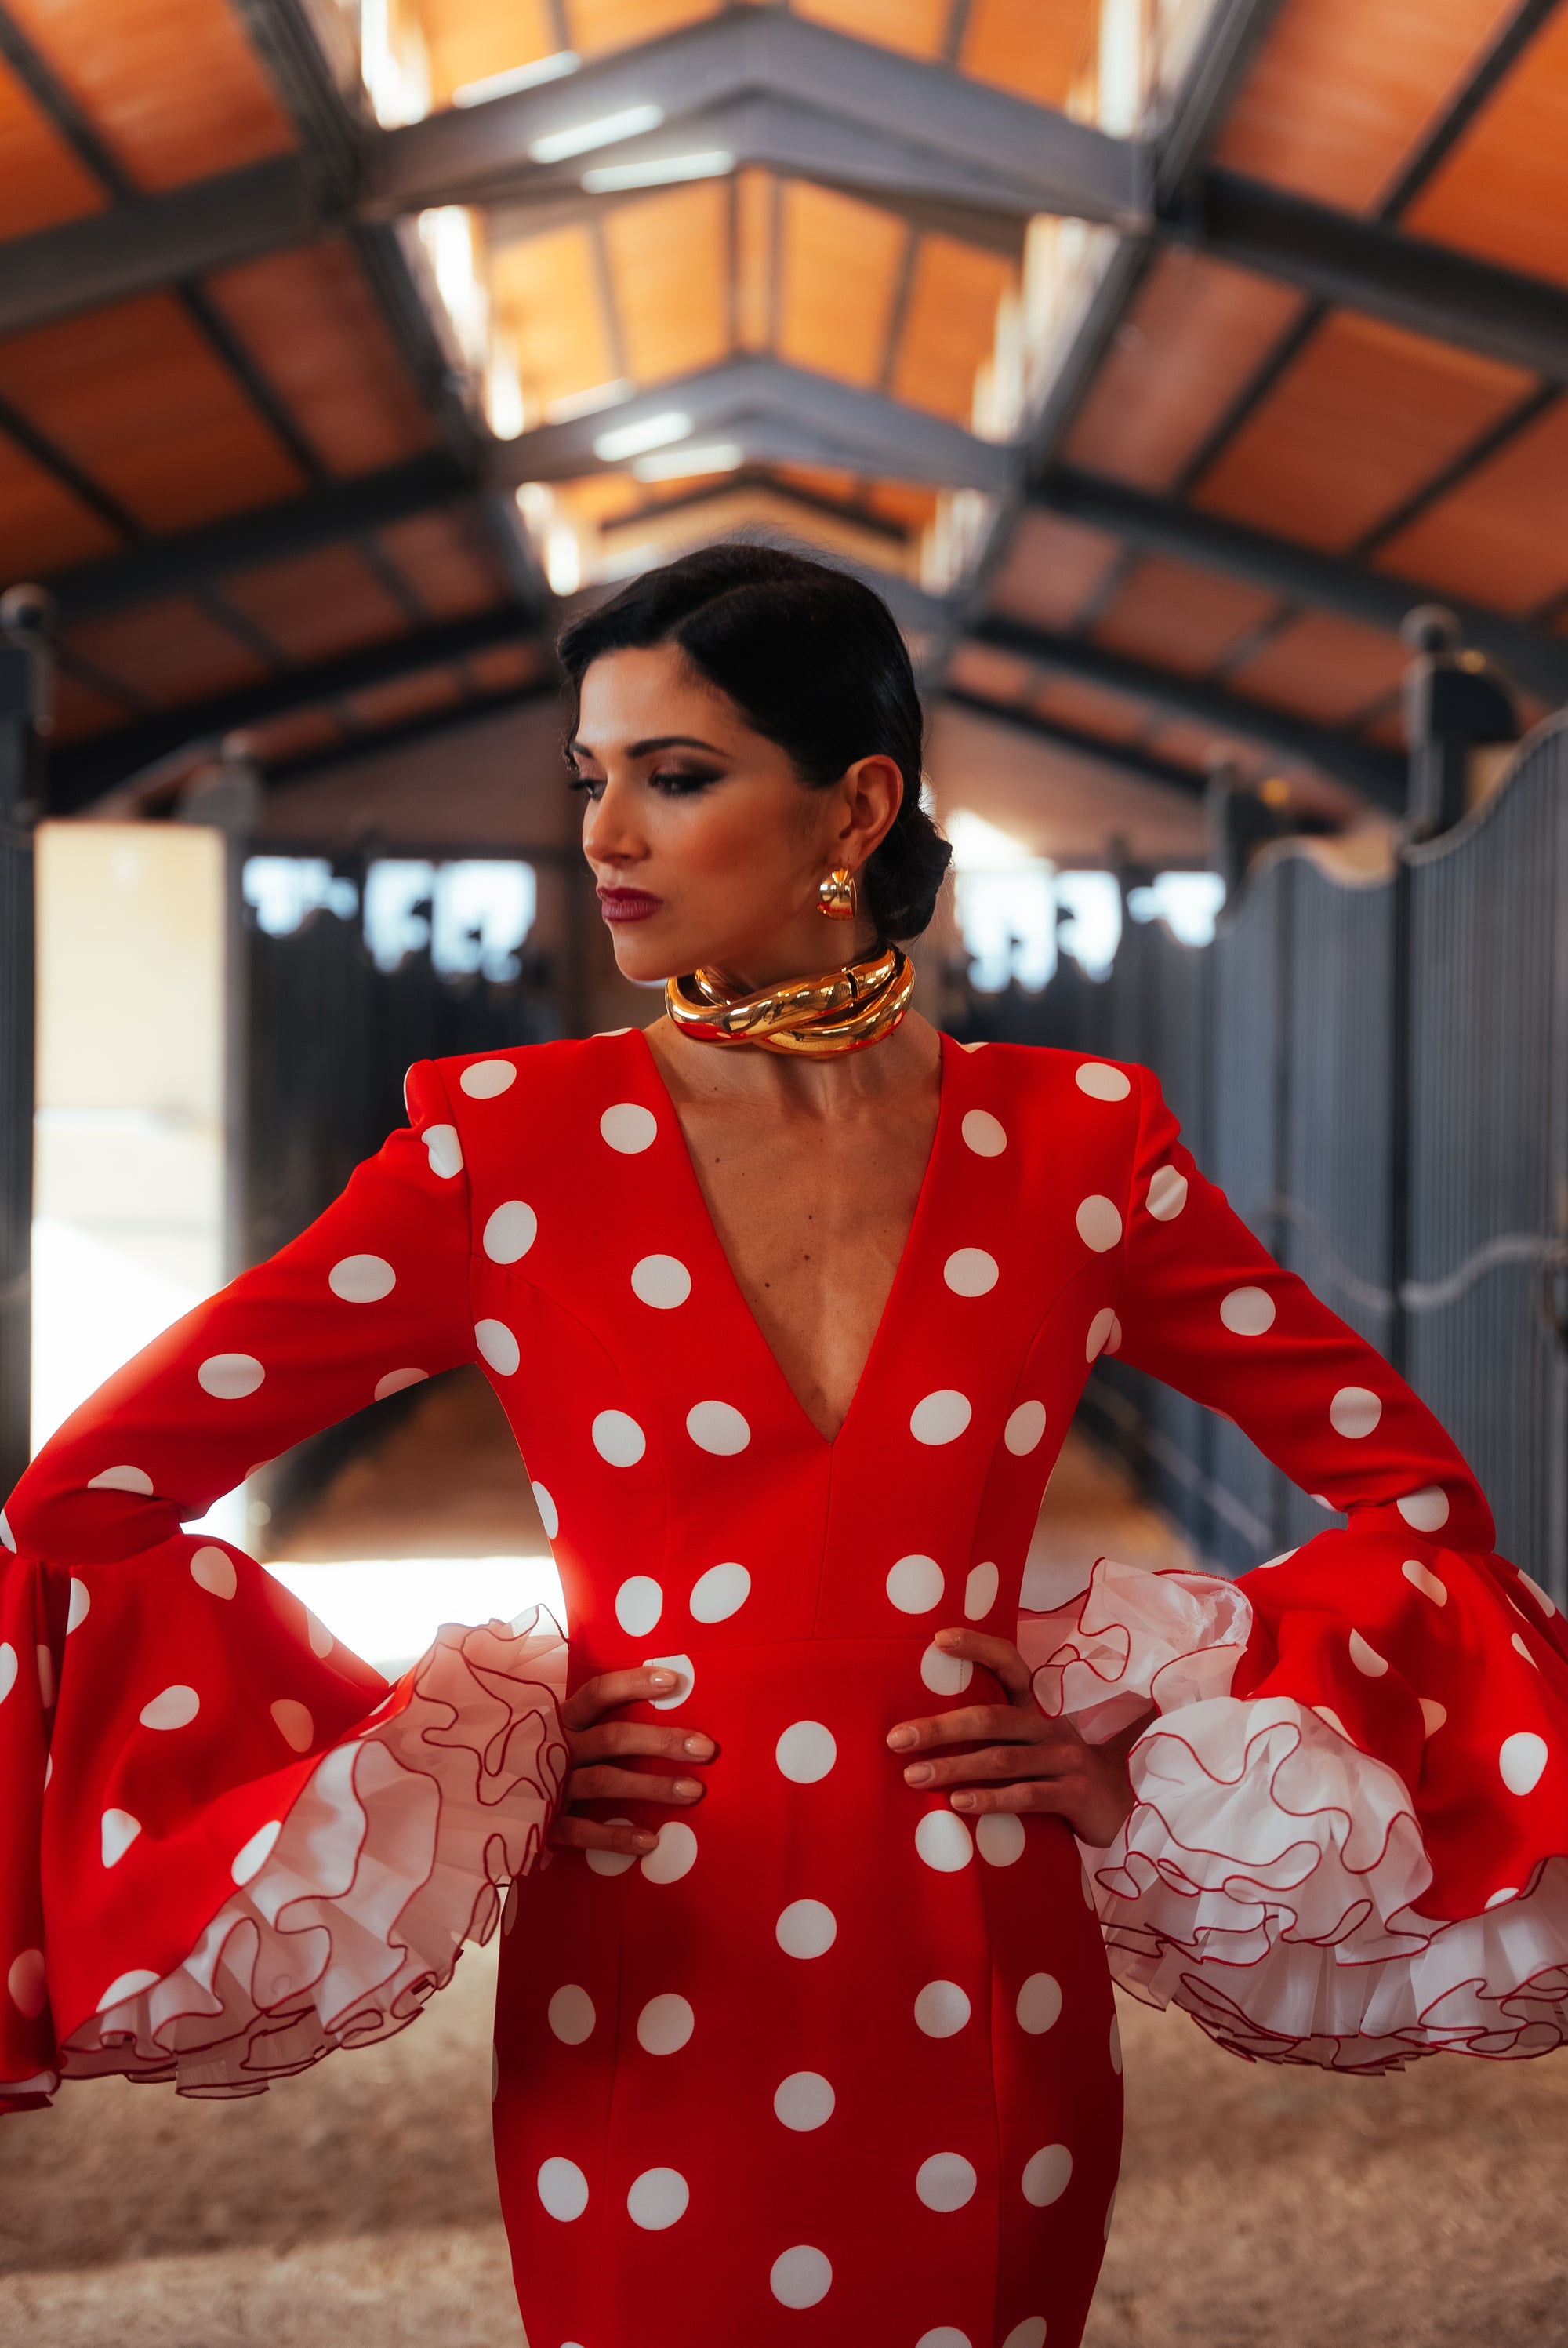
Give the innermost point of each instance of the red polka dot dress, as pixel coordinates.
(830, 2064)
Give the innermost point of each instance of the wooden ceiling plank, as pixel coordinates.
(465, 44)
(951, 328)
(320, 604)
(837, 282)
(1181, 618)
(667, 259)
(42, 180)
(447, 561)
(917, 27)
(1053, 570)
(1034, 51)
(166, 652)
(44, 526)
(597, 25)
(546, 296)
(1323, 668)
(1500, 535)
(1503, 192)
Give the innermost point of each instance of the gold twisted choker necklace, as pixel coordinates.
(839, 1011)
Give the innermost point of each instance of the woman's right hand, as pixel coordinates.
(597, 1745)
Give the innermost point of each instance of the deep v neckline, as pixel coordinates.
(913, 1236)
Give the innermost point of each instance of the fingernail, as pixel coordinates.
(663, 1679)
(963, 1802)
(900, 1739)
(645, 1841)
(919, 1773)
(688, 1784)
(700, 1747)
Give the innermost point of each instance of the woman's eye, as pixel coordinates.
(589, 783)
(678, 783)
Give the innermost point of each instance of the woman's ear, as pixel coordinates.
(872, 791)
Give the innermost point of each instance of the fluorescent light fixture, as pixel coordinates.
(506, 84)
(647, 432)
(589, 402)
(606, 178)
(714, 456)
(558, 144)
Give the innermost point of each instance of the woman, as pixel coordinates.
(806, 2031)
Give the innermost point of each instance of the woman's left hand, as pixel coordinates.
(1027, 1761)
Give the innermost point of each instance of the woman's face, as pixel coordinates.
(706, 848)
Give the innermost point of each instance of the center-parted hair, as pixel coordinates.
(814, 662)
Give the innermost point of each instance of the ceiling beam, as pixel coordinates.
(1379, 774)
(1379, 599)
(1123, 759)
(433, 723)
(80, 772)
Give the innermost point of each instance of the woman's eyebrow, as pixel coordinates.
(652, 742)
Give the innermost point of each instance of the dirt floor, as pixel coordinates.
(355, 2207)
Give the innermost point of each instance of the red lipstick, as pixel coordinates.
(627, 904)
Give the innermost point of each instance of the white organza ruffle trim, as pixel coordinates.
(355, 1905)
(1268, 1876)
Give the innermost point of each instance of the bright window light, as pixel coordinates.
(714, 456)
(504, 409)
(388, 1610)
(597, 395)
(647, 432)
(1006, 906)
(557, 145)
(483, 908)
(563, 559)
(506, 84)
(282, 890)
(395, 889)
(1092, 933)
(1187, 902)
(609, 179)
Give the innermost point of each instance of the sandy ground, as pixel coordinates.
(355, 2207)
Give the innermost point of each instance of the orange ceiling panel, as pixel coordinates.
(467, 42)
(500, 665)
(402, 697)
(447, 562)
(172, 85)
(949, 326)
(1504, 192)
(840, 276)
(310, 323)
(167, 652)
(597, 25)
(917, 26)
(546, 301)
(315, 605)
(1198, 332)
(995, 676)
(41, 180)
(1323, 667)
(292, 736)
(902, 501)
(1109, 715)
(42, 526)
(818, 481)
(80, 708)
(1037, 51)
(1180, 617)
(1502, 536)
(670, 266)
(136, 397)
(1344, 90)
(1187, 744)
(1358, 423)
(1052, 570)
(756, 196)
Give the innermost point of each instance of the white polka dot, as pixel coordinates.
(1099, 1223)
(122, 1479)
(510, 1231)
(175, 1708)
(212, 1570)
(617, 1438)
(942, 2009)
(803, 2101)
(7, 1669)
(915, 1584)
(946, 2335)
(685, 1673)
(252, 1856)
(1422, 1577)
(1522, 1760)
(1167, 1193)
(801, 2277)
(361, 1279)
(7, 1537)
(1000, 1837)
(444, 1150)
(628, 1128)
(1365, 1657)
(45, 1667)
(940, 1417)
(984, 1133)
(316, 1631)
(396, 1381)
(1100, 1329)
(805, 1752)
(128, 1985)
(549, 1515)
(27, 1981)
(230, 1377)
(970, 1271)
(1248, 1311)
(1433, 1715)
(1039, 2004)
(1331, 1719)
(717, 1428)
(486, 1078)
(665, 2024)
(946, 2180)
(611, 1862)
(1321, 1497)
(1030, 2333)
(1024, 1428)
(1116, 2045)
(1046, 2174)
(1355, 1411)
(571, 2013)
(117, 1830)
(638, 1603)
(1501, 1899)
(720, 1593)
(662, 1280)
(980, 1591)
(563, 2188)
(806, 1928)
(81, 1606)
(1425, 1511)
(944, 1841)
(1520, 1649)
(499, 1348)
(294, 1723)
(1548, 1605)
(673, 1855)
(943, 1674)
(1101, 1081)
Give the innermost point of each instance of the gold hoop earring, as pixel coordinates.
(838, 896)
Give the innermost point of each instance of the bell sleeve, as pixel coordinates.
(228, 1846)
(1349, 1840)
